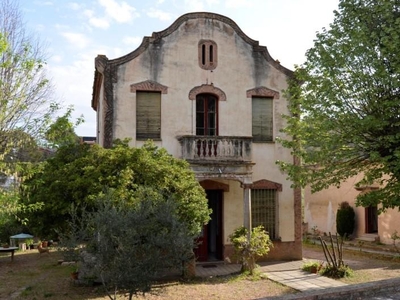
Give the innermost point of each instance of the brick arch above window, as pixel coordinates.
(214, 185)
(265, 184)
(262, 91)
(207, 89)
(149, 85)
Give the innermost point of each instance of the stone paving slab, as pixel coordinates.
(286, 273)
(290, 274)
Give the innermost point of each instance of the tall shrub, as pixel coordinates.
(345, 219)
(249, 250)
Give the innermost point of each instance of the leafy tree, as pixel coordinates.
(129, 246)
(78, 174)
(26, 107)
(25, 92)
(62, 131)
(345, 114)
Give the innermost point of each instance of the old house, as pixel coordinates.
(209, 94)
(320, 212)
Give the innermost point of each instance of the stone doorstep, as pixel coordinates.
(368, 238)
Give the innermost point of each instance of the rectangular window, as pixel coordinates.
(262, 127)
(264, 210)
(148, 115)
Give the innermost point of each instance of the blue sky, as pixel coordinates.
(75, 32)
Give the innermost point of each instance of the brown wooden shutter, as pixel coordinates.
(148, 115)
(262, 119)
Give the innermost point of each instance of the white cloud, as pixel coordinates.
(237, 3)
(78, 40)
(46, 3)
(99, 22)
(56, 58)
(120, 12)
(133, 41)
(194, 5)
(74, 5)
(159, 14)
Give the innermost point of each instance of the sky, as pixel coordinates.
(75, 32)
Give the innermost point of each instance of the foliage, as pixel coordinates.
(345, 219)
(344, 113)
(335, 267)
(394, 236)
(26, 110)
(62, 131)
(249, 248)
(78, 174)
(25, 92)
(310, 266)
(129, 246)
(337, 272)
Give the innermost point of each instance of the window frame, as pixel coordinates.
(266, 129)
(207, 97)
(256, 197)
(148, 134)
(207, 54)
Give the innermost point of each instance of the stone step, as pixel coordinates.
(369, 237)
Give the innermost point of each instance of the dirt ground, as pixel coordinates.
(34, 276)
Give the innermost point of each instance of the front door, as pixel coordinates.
(210, 242)
(371, 219)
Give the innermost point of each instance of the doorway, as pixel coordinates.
(210, 246)
(371, 219)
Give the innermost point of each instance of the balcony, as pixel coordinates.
(226, 157)
(216, 148)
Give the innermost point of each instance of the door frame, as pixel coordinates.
(212, 230)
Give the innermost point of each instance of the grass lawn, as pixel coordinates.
(35, 276)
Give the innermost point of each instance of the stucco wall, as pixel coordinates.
(320, 210)
(172, 61)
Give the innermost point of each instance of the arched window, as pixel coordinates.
(206, 114)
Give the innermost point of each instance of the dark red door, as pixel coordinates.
(371, 219)
(210, 241)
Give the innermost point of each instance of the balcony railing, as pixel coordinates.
(216, 148)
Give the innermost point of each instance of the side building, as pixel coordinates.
(209, 94)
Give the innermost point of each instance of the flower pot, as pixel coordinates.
(75, 275)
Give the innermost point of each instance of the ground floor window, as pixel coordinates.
(264, 210)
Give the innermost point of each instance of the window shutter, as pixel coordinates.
(148, 115)
(262, 119)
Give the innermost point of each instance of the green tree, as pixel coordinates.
(344, 110)
(62, 131)
(128, 246)
(78, 174)
(26, 104)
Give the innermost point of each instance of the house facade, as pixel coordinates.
(209, 94)
(320, 210)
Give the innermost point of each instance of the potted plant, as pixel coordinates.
(75, 273)
(312, 266)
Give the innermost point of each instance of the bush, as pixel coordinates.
(129, 246)
(345, 219)
(341, 272)
(312, 266)
(248, 251)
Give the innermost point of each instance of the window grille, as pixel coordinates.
(264, 210)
